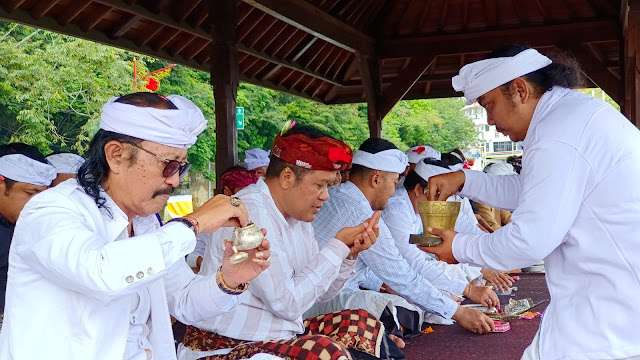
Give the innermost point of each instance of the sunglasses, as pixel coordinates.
(172, 167)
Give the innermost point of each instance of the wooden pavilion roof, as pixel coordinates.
(316, 48)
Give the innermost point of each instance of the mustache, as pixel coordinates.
(166, 191)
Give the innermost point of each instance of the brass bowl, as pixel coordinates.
(435, 214)
(425, 240)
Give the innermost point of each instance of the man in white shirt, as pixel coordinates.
(91, 273)
(402, 218)
(374, 176)
(23, 173)
(304, 161)
(575, 202)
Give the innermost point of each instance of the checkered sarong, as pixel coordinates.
(326, 337)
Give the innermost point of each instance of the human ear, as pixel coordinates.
(522, 90)
(375, 178)
(287, 178)
(114, 153)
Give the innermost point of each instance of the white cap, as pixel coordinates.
(480, 77)
(21, 168)
(255, 158)
(417, 153)
(499, 168)
(392, 160)
(176, 128)
(66, 163)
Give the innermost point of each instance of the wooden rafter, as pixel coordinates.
(73, 11)
(596, 71)
(403, 83)
(130, 22)
(307, 17)
(286, 63)
(42, 8)
(485, 41)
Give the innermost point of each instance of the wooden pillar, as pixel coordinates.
(224, 78)
(631, 60)
(372, 82)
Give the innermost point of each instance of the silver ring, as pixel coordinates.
(268, 259)
(235, 201)
(489, 301)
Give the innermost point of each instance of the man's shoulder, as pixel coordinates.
(67, 194)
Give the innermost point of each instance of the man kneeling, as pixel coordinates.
(269, 316)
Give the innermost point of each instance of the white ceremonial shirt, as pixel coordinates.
(347, 206)
(299, 275)
(74, 272)
(402, 221)
(577, 206)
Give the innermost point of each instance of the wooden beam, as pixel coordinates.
(632, 62)
(43, 8)
(16, 4)
(286, 63)
(73, 11)
(403, 83)
(596, 71)
(305, 16)
(90, 23)
(371, 79)
(486, 41)
(127, 25)
(225, 78)
(157, 17)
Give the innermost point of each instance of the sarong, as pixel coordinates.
(326, 337)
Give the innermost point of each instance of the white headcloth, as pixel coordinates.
(500, 168)
(254, 158)
(480, 77)
(20, 168)
(417, 153)
(177, 128)
(392, 160)
(66, 163)
(427, 170)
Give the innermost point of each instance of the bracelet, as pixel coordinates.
(195, 223)
(188, 223)
(226, 289)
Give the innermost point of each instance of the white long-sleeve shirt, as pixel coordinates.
(402, 221)
(299, 275)
(347, 206)
(577, 206)
(74, 272)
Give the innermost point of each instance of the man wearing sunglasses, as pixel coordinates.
(92, 274)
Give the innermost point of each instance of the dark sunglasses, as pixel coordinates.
(172, 167)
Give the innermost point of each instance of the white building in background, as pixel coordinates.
(493, 145)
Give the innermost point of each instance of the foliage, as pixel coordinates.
(52, 88)
(438, 123)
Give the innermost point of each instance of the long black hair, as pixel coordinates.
(95, 170)
(563, 72)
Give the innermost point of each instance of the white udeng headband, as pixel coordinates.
(66, 163)
(176, 128)
(392, 160)
(427, 170)
(480, 77)
(24, 169)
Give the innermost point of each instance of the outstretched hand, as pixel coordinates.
(444, 185)
(443, 251)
